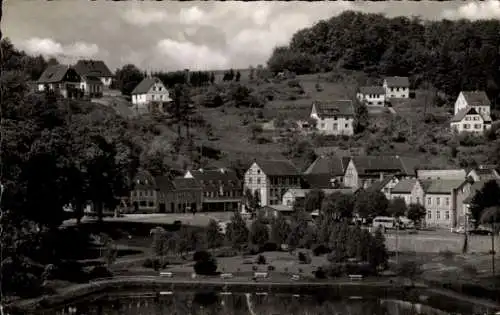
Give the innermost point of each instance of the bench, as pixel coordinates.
(295, 277)
(226, 275)
(167, 274)
(260, 275)
(355, 277)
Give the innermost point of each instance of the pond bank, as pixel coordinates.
(374, 287)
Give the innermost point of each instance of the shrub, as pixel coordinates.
(270, 268)
(304, 258)
(320, 250)
(50, 272)
(261, 260)
(201, 255)
(335, 270)
(206, 266)
(319, 273)
(269, 247)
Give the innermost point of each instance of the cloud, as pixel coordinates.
(475, 11)
(184, 54)
(49, 47)
(192, 15)
(141, 17)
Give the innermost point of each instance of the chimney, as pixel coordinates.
(381, 176)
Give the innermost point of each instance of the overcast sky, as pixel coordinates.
(196, 35)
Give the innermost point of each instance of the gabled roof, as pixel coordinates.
(95, 68)
(441, 186)
(146, 84)
(404, 186)
(476, 98)
(216, 177)
(460, 115)
(380, 184)
(379, 164)
(53, 74)
(371, 90)
(277, 167)
(327, 109)
(181, 183)
(398, 81)
(318, 181)
(332, 165)
(459, 174)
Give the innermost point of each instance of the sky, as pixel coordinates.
(197, 35)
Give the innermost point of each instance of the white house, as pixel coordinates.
(483, 172)
(149, 91)
(396, 87)
(334, 117)
(92, 86)
(95, 68)
(371, 95)
(472, 112)
(470, 120)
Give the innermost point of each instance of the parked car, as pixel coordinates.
(458, 229)
(405, 223)
(481, 231)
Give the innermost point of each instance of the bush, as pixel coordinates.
(269, 247)
(155, 264)
(270, 268)
(335, 270)
(261, 260)
(304, 258)
(206, 266)
(319, 273)
(201, 255)
(320, 250)
(99, 272)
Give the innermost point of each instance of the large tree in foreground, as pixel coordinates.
(488, 196)
(491, 217)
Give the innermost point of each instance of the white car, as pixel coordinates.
(458, 229)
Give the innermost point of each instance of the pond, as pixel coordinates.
(151, 303)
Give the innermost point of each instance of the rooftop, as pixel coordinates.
(372, 90)
(145, 85)
(398, 81)
(92, 67)
(476, 98)
(277, 167)
(53, 74)
(334, 108)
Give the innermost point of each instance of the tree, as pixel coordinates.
(361, 119)
(127, 78)
(397, 207)
(181, 108)
(378, 255)
(252, 201)
(214, 237)
(488, 196)
(251, 75)
(416, 213)
(337, 207)
(238, 76)
(205, 265)
(280, 229)
(370, 203)
(212, 78)
(298, 229)
(236, 231)
(259, 233)
(159, 244)
(313, 200)
(491, 216)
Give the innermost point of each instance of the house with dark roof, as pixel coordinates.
(95, 69)
(385, 185)
(326, 172)
(149, 93)
(271, 179)
(371, 95)
(334, 117)
(164, 195)
(459, 174)
(396, 87)
(61, 79)
(222, 190)
(363, 171)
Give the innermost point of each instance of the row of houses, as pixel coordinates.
(446, 194)
(85, 78)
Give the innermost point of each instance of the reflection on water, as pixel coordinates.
(211, 303)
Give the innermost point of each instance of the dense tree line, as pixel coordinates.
(54, 153)
(451, 55)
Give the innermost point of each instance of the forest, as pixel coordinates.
(450, 55)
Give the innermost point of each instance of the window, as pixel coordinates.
(370, 103)
(447, 215)
(335, 127)
(142, 203)
(429, 200)
(477, 126)
(258, 181)
(379, 103)
(322, 125)
(418, 200)
(346, 125)
(466, 126)
(438, 215)
(258, 171)
(151, 204)
(140, 193)
(334, 117)
(447, 201)
(429, 215)
(438, 201)
(250, 180)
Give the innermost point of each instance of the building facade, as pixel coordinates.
(62, 80)
(472, 112)
(149, 92)
(222, 190)
(396, 87)
(371, 95)
(334, 117)
(271, 179)
(95, 68)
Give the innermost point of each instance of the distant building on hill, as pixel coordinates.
(334, 117)
(396, 87)
(150, 94)
(472, 113)
(371, 95)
